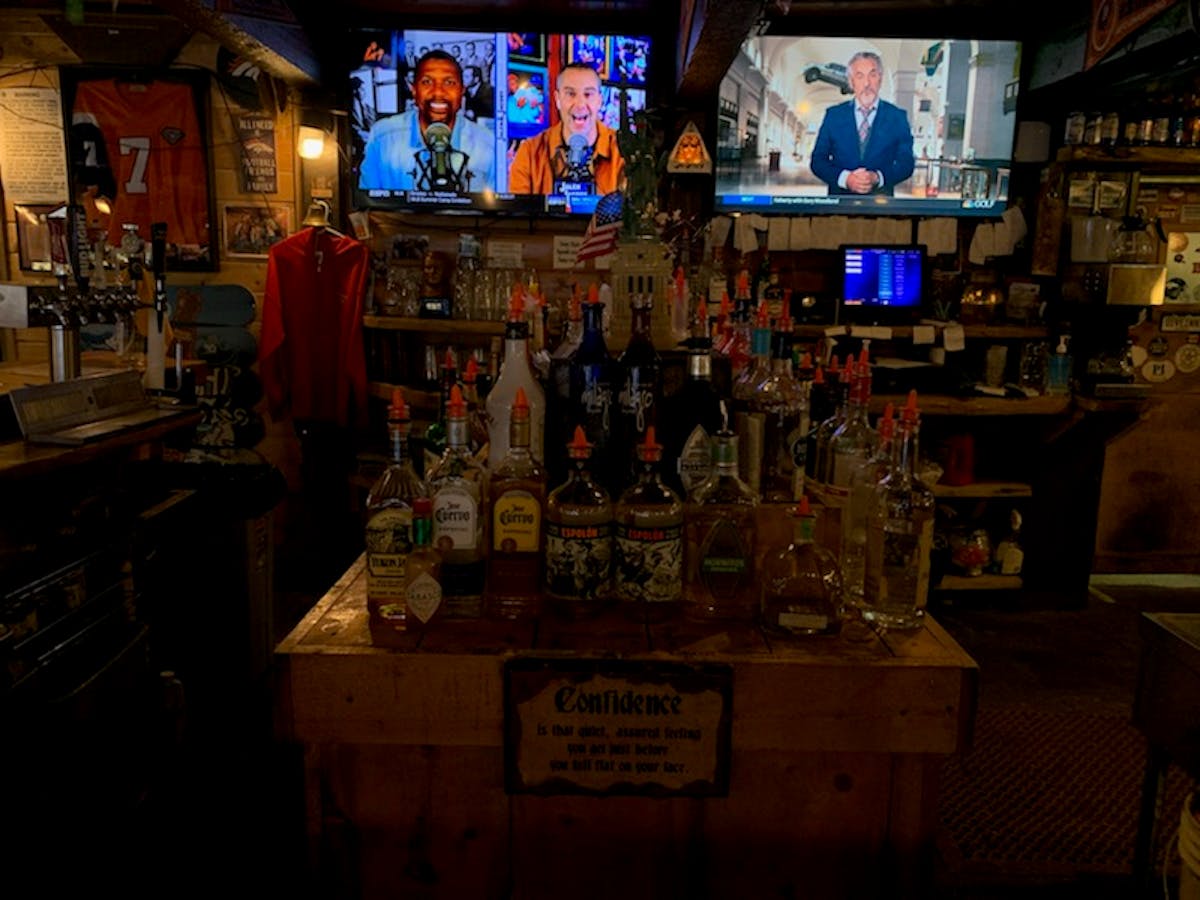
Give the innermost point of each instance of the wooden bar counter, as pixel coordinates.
(836, 745)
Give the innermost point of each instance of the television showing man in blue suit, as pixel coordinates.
(865, 145)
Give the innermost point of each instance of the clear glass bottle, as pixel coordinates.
(719, 527)
(854, 441)
(389, 538)
(592, 403)
(458, 484)
(640, 380)
(579, 525)
(516, 497)
(466, 276)
(477, 418)
(899, 537)
(516, 373)
(863, 484)
(738, 346)
(424, 604)
(839, 381)
(781, 402)
(558, 387)
(648, 549)
(435, 434)
(1009, 555)
(694, 417)
(801, 583)
(747, 419)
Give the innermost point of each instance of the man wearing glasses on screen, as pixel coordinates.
(579, 153)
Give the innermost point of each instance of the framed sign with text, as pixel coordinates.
(604, 726)
(138, 154)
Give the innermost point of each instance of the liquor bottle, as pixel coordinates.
(737, 348)
(424, 605)
(558, 386)
(648, 550)
(388, 541)
(477, 421)
(759, 369)
(801, 583)
(748, 420)
(515, 374)
(592, 403)
(820, 408)
(719, 529)
(840, 379)
(854, 442)
(1009, 556)
(854, 514)
(516, 496)
(680, 308)
(579, 519)
(899, 537)
(466, 277)
(694, 417)
(640, 379)
(781, 403)
(457, 482)
(435, 434)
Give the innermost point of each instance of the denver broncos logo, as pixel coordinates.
(171, 135)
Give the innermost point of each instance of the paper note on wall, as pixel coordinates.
(1183, 267)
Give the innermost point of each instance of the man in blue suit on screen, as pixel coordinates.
(865, 145)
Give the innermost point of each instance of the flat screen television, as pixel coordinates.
(938, 142)
(506, 97)
(882, 282)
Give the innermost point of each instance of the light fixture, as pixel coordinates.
(311, 142)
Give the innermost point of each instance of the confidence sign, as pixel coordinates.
(602, 726)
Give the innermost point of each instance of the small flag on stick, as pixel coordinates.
(602, 232)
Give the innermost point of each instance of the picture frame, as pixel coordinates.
(162, 175)
(526, 47)
(33, 236)
(527, 98)
(591, 50)
(249, 230)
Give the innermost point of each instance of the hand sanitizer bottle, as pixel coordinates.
(1058, 378)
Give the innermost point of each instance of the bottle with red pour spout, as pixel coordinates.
(515, 373)
(389, 528)
(855, 513)
(781, 403)
(899, 537)
(855, 440)
(579, 520)
(458, 485)
(801, 583)
(594, 383)
(648, 549)
(640, 385)
(839, 380)
(435, 434)
(680, 307)
(693, 415)
(477, 422)
(516, 497)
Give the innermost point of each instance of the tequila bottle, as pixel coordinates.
(457, 482)
(389, 536)
(648, 565)
(640, 378)
(801, 583)
(516, 495)
(579, 517)
(719, 529)
(423, 601)
(592, 403)
(899, 538)
(694, 417)
(515, 374)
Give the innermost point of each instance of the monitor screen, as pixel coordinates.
(883, 277)
(875, 126)
(500, 121)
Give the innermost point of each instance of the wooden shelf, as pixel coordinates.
(979, 583)
(414, 397)
(1132, 156)
(433, 326)
(939, 405)
(983, 490)
(904, 332)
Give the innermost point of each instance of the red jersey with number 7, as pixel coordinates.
(153, 142)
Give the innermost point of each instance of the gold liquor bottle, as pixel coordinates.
(389, 529)
(579, 517)
(648, 549)
(516, 495)
(719, 527)
(424, 604)
(801, 583)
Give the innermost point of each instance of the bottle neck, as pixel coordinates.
(518, 433)
(700, 366)
(398, 438)
(422, 528)
(640, 327)
(456, 432)
(802, 530)
(725, 455)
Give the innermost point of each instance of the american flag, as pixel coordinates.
(602, 232)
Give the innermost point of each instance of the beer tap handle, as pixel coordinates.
(158, 264)
(78, 244)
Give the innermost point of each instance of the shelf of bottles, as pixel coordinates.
(984, 490)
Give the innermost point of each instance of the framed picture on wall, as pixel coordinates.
(249, 230)
(33, 235)
(138, 154)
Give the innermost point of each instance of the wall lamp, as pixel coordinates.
(315, 126)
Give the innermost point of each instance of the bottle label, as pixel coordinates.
(596, 398)
(695, 461)
(897, 564)
(636, 399)
(649, 563)
(388, 543)
(725, 560)
(517, 523)
(794, 621)
(455, 520)
(423, 596)
(578, 559)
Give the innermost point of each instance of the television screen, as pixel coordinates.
(883, 276)
(478, 120)
(876, 126)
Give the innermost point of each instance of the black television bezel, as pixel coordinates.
(874, 313)
(907, 27)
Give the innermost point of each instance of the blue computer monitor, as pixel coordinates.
(885, 282)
